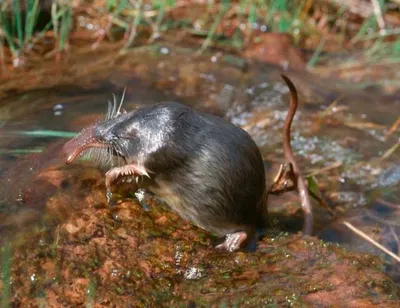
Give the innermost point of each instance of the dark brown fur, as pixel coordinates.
(208, 170)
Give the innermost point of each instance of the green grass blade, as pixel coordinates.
(28, 9)
(2, 58)
(20, 151)
(376, 47)
(136, 23)
(5, 25)
(54, 19)
(54, 22)
(110, 4)
(242, 7)
(283, 20)
(32, 15)
(396, 48)
(161, 11)
(213, 29)
(299, 10)
(368, 24)
(272, 8)
(46, 133)
(316, 54)
(251, 19)
(17, 22)
(66, 22)
(122, 5)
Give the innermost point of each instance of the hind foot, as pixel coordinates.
(233, 241)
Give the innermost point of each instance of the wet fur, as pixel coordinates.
(208, 170)
(214, 168)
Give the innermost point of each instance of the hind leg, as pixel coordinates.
(233, 241)
(236, 240)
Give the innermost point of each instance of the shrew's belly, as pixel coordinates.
(196, 215)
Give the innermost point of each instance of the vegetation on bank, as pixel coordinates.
(33, 28)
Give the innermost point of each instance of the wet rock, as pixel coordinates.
(76, 291)
(123, 215)
(72, 228)
(54, 177)
(121, 232)
(153, 258)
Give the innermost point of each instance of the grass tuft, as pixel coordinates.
(231, 24)
(17, 28)
(61, 18)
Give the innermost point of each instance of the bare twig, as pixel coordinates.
(390, 151)
(327, 168)
(389, 204)
(393, 128)
(378, 14)
(371, 240)
(396, 238)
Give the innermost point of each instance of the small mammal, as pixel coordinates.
(208, 170)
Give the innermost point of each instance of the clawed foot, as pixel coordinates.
(233, 241)
(128, 170)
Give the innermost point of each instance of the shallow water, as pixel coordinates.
(343, 151)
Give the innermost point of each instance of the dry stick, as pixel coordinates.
(389, 204)
(278, 177)
(327, 168)
(390, 151)
(378, 14)
(280, 191)
(393, 128)
(396, 238)
(372, 241)
(298, 178)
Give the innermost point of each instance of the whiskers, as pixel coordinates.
(115, 108)
(105, 157)
(91, 145)
(111, 154)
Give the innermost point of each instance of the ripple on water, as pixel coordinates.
(321, 150)
(389, 177)
(371, 176)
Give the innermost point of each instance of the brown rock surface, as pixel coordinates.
(125, 254)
